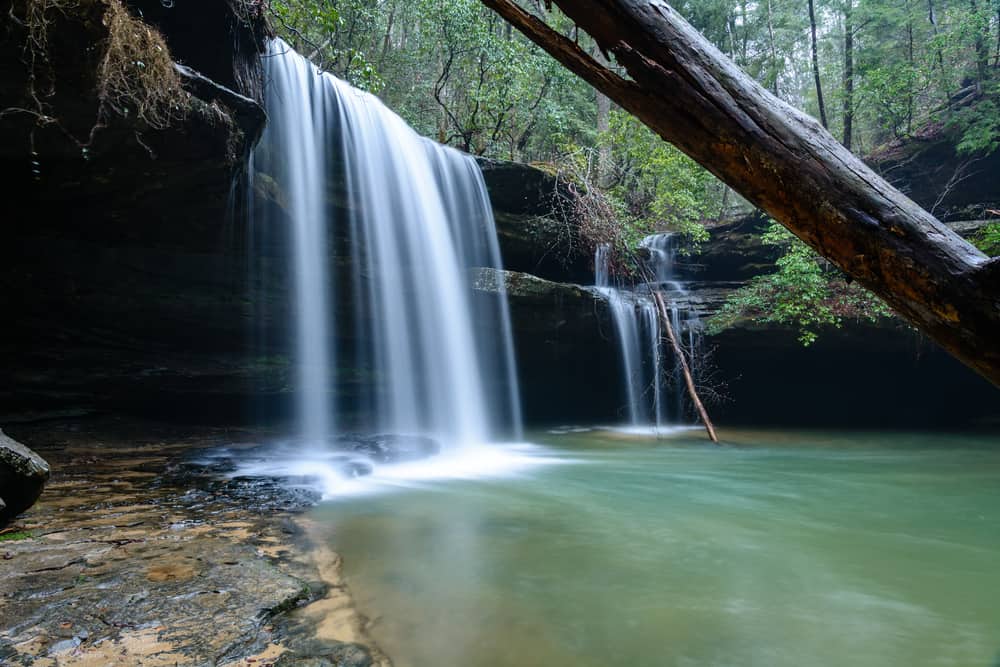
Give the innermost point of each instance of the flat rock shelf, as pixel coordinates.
(143, 557)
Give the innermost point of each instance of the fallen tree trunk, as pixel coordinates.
(661, 308)
(784, 162)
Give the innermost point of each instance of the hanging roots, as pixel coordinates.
(136, 74)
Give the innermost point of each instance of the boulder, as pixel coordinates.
(23, 475)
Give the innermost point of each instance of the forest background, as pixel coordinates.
(874, 72)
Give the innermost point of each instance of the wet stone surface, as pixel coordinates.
(134, 556)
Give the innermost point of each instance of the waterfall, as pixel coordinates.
(411, 218)
(293, 151)
(640, 337)
(639, 341)
(662, 263)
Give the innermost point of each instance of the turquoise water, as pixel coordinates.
(779, 550)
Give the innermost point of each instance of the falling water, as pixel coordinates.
(293, 152)
(638, 329)
(415, 217)
(662, 263)
(640, 337)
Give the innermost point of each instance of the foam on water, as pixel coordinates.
(323, 470)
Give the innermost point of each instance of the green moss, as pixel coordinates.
(987, 239)
(15, 536)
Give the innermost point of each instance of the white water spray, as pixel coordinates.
(416, 218)
(640, 336)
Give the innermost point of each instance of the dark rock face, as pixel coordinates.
(536, 226)
(116, 253)
(193, 31)
(733, 253)
(567, 355)
(858, 376)
(23, 475)
(928, 169)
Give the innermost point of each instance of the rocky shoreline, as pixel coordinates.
(134, 555)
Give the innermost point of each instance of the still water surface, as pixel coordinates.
(778, 550)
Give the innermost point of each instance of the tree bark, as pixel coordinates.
(785, 163)
(661, 308)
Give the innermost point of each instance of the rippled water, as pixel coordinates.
(784, 549)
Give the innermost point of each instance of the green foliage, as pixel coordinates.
(15, 536)
(658, 187)
(804, 292)
(315, 28)
(461, 75)
(890, 89)
(978, 125)
(987, 239)
(456, 72)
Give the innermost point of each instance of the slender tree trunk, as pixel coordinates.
(848, 74)
(603, 127)
(661, 308)
(724, 207)
(731, 32)
(996, 54)
(387, 39)
(982, 48)
(911, 61)
(744, 41)
(815, 63)
(775, 67)
(932, 17)
(782, 161)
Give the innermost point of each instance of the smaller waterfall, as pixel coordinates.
(662, 264)
(637, 327)
(652, 378)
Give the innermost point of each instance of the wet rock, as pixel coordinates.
(537, 228)
(392, 448)
(125, 568)
(326, 654)
(268, 495)
(567, 353)
(23, 475)
(354, 468)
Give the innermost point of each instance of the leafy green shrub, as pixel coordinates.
(805, 292)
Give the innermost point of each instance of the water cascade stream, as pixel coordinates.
(414, 218)
(653, 386)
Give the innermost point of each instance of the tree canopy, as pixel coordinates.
(873, 71)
